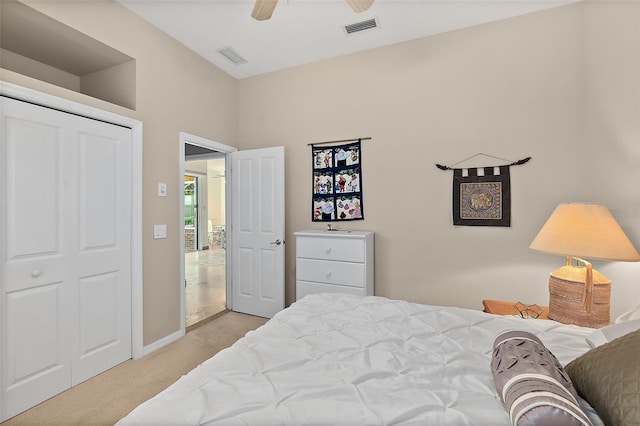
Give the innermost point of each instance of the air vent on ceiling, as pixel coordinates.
(361, 26)
(229, 53)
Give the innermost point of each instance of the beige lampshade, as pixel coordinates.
(584, 230)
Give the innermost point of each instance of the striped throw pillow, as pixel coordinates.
(532, 384)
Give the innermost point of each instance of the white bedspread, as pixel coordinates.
(334, 359)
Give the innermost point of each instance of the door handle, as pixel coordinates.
(276, 242)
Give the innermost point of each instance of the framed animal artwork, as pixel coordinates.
(482, 199)
(482, 195)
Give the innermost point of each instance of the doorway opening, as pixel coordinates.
(204, 235)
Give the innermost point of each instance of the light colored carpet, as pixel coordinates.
(106, 398)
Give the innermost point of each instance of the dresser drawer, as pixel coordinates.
(331, 248)
(304, 288)
(331, 272)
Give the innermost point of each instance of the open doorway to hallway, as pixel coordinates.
(204, 235)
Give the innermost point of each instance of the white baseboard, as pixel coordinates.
(162, 342)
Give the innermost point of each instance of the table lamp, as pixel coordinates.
(578, 294)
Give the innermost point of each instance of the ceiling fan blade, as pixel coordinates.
(360, 6)
(263, 9)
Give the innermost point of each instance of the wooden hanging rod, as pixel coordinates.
(339, 141)
(514, 163)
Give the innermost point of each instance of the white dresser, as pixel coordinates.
(334, 261)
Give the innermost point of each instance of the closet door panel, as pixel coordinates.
(34, 187)
(98, 297)
(99, 191)
(103, 284)
(35, 275)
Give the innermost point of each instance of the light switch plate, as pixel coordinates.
(162, 190)
(159, 231)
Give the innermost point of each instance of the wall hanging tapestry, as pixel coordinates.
(482, 195)
(337, 182)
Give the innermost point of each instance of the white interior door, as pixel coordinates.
(257, 178)
(65, 233)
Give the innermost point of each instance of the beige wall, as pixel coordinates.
(212, 187)
(14, 61)
(560, 85)
(611, 128)
(217, 213)
(176, 91)
(199, 168)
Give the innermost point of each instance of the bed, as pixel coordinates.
(337, 359)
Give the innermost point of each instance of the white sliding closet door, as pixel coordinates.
(101, 258)
(66, 251)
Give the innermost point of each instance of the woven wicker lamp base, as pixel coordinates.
(572, 302)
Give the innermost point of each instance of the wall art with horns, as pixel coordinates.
(482, 195)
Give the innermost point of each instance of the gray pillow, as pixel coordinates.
(608, 377)
(532, 384)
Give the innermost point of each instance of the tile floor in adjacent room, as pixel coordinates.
(205, 292)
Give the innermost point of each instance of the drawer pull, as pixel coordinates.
(328, 250)
(36, 273)
(328, 274)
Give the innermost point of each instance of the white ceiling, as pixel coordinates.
(304, 31)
